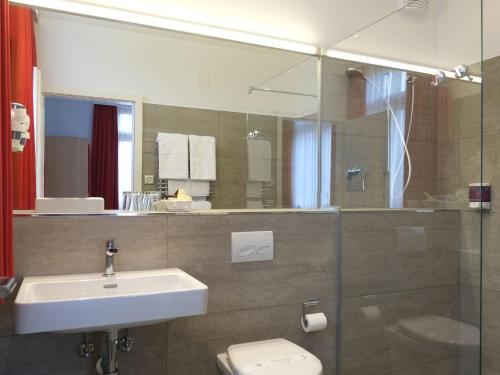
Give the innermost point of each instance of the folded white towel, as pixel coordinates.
(172, 155)
(259, 160)
(199, 205)
(192, 188)
(202, 160)
(254, 189)
(199, 188)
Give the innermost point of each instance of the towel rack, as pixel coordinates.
(163, 187)
(162, 183)
(268, 192)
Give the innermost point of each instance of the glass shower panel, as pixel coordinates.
(261, 92)
(284, 149)
(491, 174)
(406, 146)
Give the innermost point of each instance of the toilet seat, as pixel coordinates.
(440, 331)
(269, 357)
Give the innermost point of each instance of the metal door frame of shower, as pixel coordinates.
(481, 234)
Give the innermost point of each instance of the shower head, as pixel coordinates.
(354, 73)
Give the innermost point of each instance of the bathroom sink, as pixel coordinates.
(93, 302)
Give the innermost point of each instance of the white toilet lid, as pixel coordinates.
(441, 331)
(272, 357)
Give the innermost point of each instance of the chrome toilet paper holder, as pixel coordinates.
(307, 305)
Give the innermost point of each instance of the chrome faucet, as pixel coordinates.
(111, 250)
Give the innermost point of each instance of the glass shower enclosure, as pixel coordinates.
(386, 127)
(401, 109)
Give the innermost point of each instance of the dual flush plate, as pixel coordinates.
(252, 246)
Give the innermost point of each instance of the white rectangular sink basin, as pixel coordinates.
(93, 302)
(92, 205)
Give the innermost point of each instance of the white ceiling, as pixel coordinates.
(321, 23)
(447, 35)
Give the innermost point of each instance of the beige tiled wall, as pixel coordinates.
(254, 300)
(334, 90)
(423, 143)
(405, 264)
(361, 142)
(458, 165)
(247, 302)
(68, 245)
(395, 266)
(357, 140)
(458, 139)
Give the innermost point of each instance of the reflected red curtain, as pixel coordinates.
(23, 60)
(6, 256)
(104, 155)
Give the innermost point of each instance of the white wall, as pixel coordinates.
(80, 55)
(77, 54)
(448, 35)
(459, 32)
(491, 28)
(408, 36)
(319, 22)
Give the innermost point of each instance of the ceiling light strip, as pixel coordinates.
(393, 64)
(168, 24)
(237, 36)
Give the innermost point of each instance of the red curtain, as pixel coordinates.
(6, 256)
(104, 155)
(23, 60)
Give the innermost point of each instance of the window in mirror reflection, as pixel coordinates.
(76, 165)
(305, 168)
(388, 87)
(125, 150)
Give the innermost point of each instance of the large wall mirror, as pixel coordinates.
(257, 105)
(240, 126)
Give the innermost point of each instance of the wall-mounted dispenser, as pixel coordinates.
(480, 195)
(20, 121)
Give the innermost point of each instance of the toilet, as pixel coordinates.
(440, 332)
(269, 357)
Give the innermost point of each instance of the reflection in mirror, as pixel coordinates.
(87, 152)
(238, 126)
(234, 125)
(396, 137)
(399, 135)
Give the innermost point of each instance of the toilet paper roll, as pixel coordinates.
(314, 322)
